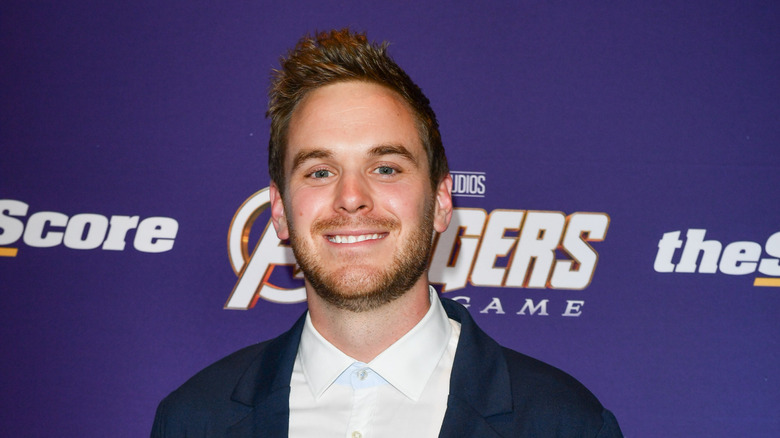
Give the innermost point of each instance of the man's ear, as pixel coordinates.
(277, 213)
(443, 210)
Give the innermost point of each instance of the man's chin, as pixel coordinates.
(358, 290)
(358, 303)
(355, 281)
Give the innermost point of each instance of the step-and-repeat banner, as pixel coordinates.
(616, 178)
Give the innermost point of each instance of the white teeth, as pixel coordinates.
(354, 239)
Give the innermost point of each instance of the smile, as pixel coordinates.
(355, 239)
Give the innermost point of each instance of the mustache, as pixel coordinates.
(322, 226)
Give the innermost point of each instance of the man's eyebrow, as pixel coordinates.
(393, 149)
(310, 154)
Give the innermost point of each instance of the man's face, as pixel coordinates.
(358, 207)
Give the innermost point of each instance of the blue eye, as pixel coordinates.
(322, 173)
(385, 170)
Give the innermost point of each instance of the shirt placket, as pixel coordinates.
(365, 385)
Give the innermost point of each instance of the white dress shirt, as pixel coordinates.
(401, 393)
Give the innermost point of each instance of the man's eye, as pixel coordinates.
(322, 173)
(385, 170)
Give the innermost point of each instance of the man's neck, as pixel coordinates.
(363, 335)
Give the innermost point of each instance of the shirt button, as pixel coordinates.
(356, 434)
(362, 374)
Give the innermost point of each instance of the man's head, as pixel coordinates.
(341, 56)
(352, 186)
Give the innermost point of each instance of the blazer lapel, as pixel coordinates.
(265, 386)
(480, 391)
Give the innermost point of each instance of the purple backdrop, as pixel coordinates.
(663, 117)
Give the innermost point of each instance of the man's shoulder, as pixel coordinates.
(205, 400)
(526, 396)
(543, 385)
(528, 377)
(547, 401)
(224, 392)
(220, 378)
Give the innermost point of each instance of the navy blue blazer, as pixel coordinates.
(494, 392)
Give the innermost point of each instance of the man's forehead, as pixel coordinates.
(369, 117)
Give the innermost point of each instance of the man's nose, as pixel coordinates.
(353, 194)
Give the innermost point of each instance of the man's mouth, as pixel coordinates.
(355, 239)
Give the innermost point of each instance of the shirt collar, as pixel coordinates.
(407, 364)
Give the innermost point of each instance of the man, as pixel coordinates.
(359, 185)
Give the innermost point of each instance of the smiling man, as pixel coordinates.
(359, 186)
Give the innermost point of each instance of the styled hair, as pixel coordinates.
(340, 56)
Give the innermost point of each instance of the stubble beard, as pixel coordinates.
(360, 288)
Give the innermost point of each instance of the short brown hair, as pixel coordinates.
(338, 56)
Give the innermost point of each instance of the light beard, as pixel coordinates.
(360, 289)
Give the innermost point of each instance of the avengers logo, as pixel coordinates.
(504, 248)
